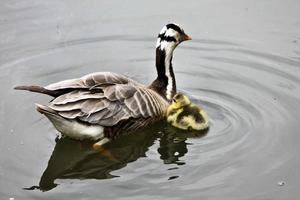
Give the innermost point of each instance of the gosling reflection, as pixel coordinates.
(173, 144)
(78, 160)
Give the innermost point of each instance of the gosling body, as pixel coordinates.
(183, 114)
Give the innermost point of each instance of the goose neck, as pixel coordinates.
(165, 74)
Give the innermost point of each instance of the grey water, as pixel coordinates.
(242, 67)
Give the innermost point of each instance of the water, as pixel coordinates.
(242, 66)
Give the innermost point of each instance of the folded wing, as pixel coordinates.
(106, 99)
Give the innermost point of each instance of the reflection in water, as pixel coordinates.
(173, 144)
(72, 159)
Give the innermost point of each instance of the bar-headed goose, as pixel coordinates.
(101, 105)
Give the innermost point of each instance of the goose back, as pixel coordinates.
(107, 99)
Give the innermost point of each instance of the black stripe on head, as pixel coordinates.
(174, 27)
(167, 38)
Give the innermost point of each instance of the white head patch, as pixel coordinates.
(168, 39)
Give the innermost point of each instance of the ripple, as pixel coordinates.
(248, 99)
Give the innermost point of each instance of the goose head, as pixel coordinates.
(170, 36)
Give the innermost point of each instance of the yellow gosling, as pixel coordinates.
(183, 114)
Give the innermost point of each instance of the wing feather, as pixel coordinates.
(76, 95)
(87, 105)
(72, 114)
(93, 80)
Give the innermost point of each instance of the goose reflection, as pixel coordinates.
(72, 159)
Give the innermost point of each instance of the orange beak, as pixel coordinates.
(186, 37)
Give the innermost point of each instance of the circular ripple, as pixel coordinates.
(251, 101)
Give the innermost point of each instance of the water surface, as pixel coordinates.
(242, 66)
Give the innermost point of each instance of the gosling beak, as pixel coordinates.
(186, 37)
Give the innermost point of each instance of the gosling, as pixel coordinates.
(183, 114)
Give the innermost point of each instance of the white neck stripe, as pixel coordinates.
(168, 48)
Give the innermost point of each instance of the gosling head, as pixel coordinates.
(170, 36)
(180, 100)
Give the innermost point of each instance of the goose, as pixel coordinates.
(101, 105)
(183, 114)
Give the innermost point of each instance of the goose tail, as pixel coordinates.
(37, 89)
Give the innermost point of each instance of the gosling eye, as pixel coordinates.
(174, 100)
